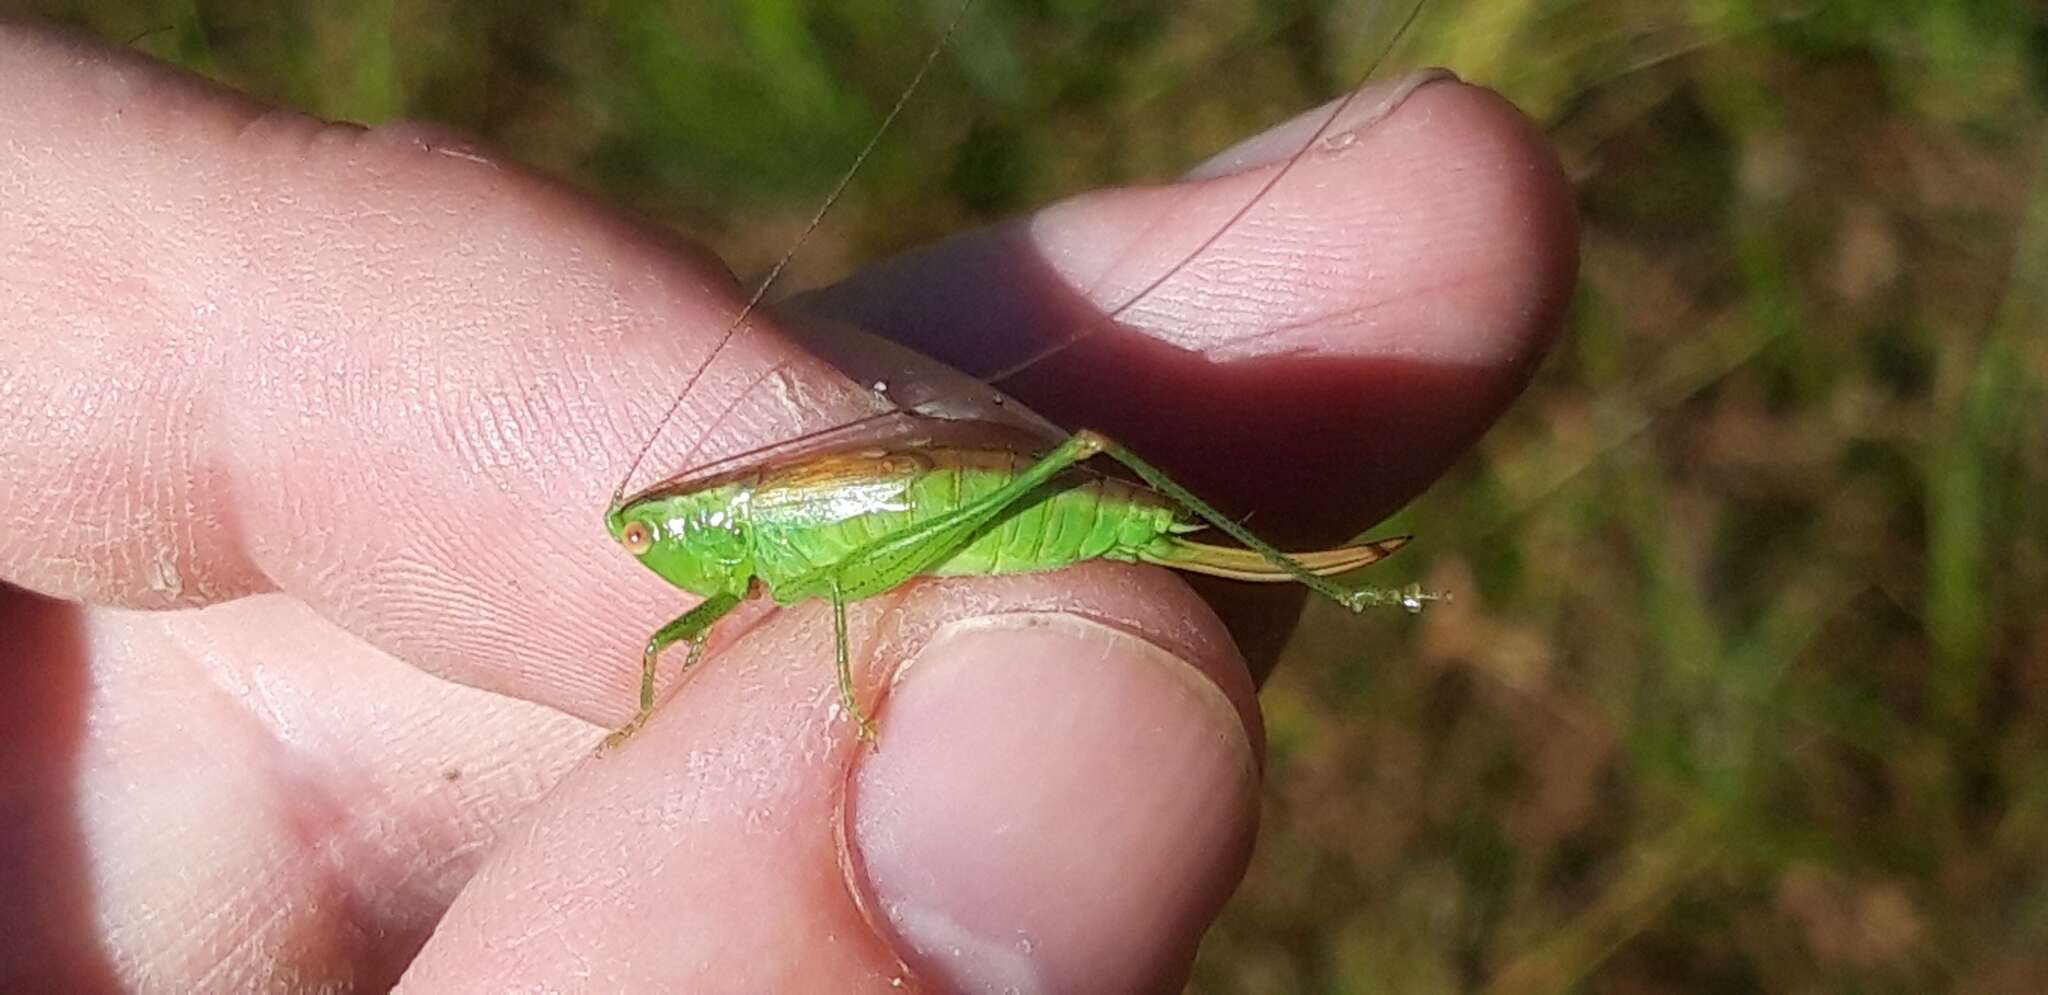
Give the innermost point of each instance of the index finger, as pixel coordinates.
(376, 369)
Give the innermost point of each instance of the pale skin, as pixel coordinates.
(366, 399)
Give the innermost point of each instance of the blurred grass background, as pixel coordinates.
(1747, 684)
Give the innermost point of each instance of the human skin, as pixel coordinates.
(311, 623)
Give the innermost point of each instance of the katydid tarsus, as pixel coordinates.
(860, 509)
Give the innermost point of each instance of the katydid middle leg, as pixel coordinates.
(890, 560)
(863, 723)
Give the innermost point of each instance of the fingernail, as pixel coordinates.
(1373, 104)
(1054, 805)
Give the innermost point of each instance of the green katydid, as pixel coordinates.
(858, 510)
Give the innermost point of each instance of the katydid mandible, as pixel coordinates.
(849, 517)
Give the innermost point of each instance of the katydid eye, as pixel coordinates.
(636, 537)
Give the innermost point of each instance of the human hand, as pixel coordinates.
(338, 412)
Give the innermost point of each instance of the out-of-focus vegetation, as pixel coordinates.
(1747, 685)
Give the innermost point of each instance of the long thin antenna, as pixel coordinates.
(931, 58)
(1414, 13)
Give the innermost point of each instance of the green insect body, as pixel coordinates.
(848, 523)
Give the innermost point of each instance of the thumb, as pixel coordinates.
(1053, 804)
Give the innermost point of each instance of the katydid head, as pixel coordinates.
(694, 541)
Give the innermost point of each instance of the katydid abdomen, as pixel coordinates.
(803, 520)
(798, 531)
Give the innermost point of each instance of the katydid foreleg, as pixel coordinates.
(691, 625)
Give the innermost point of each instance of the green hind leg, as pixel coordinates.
(890, 560)
(1354, 598)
